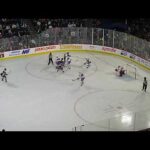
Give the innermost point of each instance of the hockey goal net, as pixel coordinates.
(131, 70)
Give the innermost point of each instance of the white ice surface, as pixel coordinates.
(37, 98)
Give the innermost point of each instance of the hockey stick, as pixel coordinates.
(75, 79)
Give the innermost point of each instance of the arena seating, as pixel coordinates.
(19, 27)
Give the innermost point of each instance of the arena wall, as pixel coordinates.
(75, 48)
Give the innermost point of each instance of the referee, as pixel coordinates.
(50, 58)
(145, 84)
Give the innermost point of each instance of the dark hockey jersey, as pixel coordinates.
(3, 74)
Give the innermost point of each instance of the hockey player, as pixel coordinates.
(68, 62)
(57, 60)
(68, 55)
(144, 84)
(50, 58)
(60, 65)
(117, 69)
(4, 74)
(87, 63)
(81, 78)
(122, 72)
(64, 58)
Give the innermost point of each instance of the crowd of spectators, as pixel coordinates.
(18, 27)
(43, 24)
(140, 28)
(13, 27)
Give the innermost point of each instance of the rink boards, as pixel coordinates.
(75, 48)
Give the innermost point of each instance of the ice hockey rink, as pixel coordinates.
(38, 98)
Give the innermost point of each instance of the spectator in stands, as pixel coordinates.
(13, 26)
(45, 26)
(10, 33)
(24, 25)
(72, 24)
(38, 23)
(33, 43)
(69, 25)
(20, 44)
(38, 26)
(19, 35)
(17, 25)
(1, 28)
(4, 19)
(1, 35)
(49, 22)
(7, 27)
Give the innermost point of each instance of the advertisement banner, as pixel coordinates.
(146, 63)
(132, 56)
(138, 59)
(109, 49)
(124, 53)
(25, 51)
(74, 47)
(1, 55)
(15, 53)
(46, 48)
(71, 46)
(91, 47)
